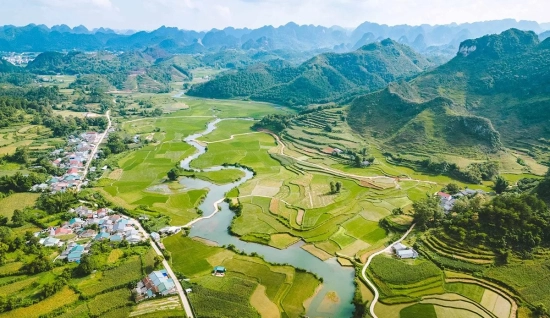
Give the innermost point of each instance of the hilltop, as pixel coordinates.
(123, 71)
(493, 90)
(324, 78)
(291, 36)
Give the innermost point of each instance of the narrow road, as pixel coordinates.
(181, 293)
(216, 210)
(96, 148)
(364, 271)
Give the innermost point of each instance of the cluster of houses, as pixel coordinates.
(97, 225)
(73, 162)
(156, 283)
(447, 201)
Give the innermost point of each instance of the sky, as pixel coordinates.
(208, 14)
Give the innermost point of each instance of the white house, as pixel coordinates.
(404, 254)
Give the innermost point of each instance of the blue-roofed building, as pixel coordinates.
(76, 222)
(102, 236)
(75, 253)
(158, 282)
(120, 226)
(219, 271)
(77, 248)
(115, 238)
(155, 236)
(74, 257)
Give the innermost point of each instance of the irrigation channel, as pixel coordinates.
(335, 277)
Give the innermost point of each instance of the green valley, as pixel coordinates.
(276, 172)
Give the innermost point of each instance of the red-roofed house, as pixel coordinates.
(444, 195)
(63, 231)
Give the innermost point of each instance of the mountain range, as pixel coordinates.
(325, 78)
(494, 91)
(40, 38)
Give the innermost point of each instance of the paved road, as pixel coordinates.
(96, 148)
(363, 272)
(181, 293)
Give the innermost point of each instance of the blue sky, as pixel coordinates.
(207, 14)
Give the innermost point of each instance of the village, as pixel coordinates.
(83, 149)
(88, 226)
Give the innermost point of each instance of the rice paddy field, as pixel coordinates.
(17, 201)
(36, 137)
(250, 287)
(289, 199)
(104, 293)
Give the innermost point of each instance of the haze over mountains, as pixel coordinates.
(39, 38)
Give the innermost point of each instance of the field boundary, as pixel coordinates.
(505, 295)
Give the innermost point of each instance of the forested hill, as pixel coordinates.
(325, 78)
(495, 88)
(115, 70)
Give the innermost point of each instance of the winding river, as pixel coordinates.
(335, 277)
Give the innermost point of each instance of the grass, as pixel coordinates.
(471, 291)
(114, 255)
(76, 312)
(281, 286)
(17, 286)
(127, 272)
(167, 306)
(181, 248)
(304, 285)
(399, 272)
(17, 201)
(105, 302)
(64, 297)
(218, 177)
(229, 298)
(263, 305)
(227, 128)
(144, 170)
(418, 310)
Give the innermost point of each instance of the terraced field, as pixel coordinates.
(250, 285)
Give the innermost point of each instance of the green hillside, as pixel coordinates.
(324, 78)
(152, 75)
(496, 88)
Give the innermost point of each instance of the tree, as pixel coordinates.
(116, 144)
(173, 174)
(55, 203)
(357, 161)
(500, 184)
(21, 155)
(158, 261)
(39, 265)
(338, 186)
(397, 211)
(88, 264)
(19, 218)
(452, 188)
(332, 187)
(427, 212)
(540, 310)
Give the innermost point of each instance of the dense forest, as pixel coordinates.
(326, 77)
